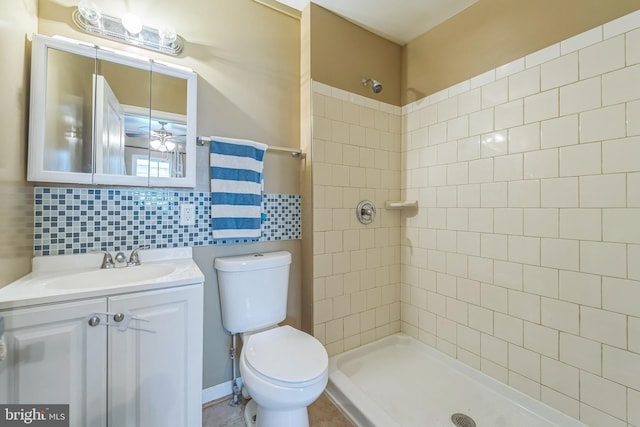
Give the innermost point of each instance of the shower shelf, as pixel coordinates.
(401, 204)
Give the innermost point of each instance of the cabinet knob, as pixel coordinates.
(94, 321)
(118, 317)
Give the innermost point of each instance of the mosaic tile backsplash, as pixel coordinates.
(79, 220)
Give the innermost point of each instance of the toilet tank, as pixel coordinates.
(253, 290)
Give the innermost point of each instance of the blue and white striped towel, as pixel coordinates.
(236, 187)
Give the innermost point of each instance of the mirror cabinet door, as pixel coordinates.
(122, 89)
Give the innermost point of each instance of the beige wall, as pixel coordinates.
(491, 33)
(342, 54)
(247, 57)
(17, 23)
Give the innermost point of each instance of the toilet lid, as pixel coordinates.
(286, 354)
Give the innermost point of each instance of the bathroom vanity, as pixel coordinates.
(122, 347)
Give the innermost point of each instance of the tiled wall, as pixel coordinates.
(356, 268)
(524, 258)
(77, 220)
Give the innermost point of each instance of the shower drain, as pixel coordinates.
(462, 420)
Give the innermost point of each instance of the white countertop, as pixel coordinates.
(36, 287)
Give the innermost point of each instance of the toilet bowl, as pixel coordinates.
(284, 370)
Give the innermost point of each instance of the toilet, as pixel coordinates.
(283, 369)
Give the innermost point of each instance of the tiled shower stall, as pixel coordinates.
(523, 258)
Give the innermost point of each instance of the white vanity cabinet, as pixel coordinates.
(143, 371)
(53, 356)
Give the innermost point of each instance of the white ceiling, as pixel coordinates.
(398, 20)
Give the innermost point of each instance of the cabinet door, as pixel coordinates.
(55, 357)
(155, 377)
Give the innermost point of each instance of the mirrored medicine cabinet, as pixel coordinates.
(99, 116)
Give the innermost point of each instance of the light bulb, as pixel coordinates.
(89, 11)
(131, 23)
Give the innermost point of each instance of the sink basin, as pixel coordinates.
(102, 278)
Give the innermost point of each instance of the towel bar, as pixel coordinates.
(202, 140)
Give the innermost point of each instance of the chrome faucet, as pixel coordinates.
(107, 260)
(120, 260)
(134, 258)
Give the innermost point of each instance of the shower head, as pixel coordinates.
(376, 86)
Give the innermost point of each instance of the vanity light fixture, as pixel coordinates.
(128, 29)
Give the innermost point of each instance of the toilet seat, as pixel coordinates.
(286, 356)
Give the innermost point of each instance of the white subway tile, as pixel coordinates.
(621, 225)
(581, 353)
(603, 394)
(581, 224)
(543, 55)
(561, 402)
(469, 196)
(481, 269)
(608, 259)
(510, 68)
(524, 384)
(524, 362)
(507, 274)
(559, 192)
(621, 86)
(541, 339)
(633, 262)
(621, 25)
(541, 164)
(559, 72)
(603, 191)
(493, 246)
(494, 144)
(447, 109)
(633, 47)
(541, 106)
(524, 193)
(437, 133)
(621, 366)
(633, 190)
(481, 122)
(457, 173)
(581, 288)
(541, 281)
(509, 114)
(437, 175)
(559, 132)
(447, 153)
(560, 315)
(594, 417)
(468, 290)
(603, 326)
(525, 250)
(541, 222)
(468, 339)
(633, 115)
(580, 96)
(621, 296)
(621, 155)
(560, 377)
(458, 128)
(633, 404)
(457, 219)
(583, 159)
(481, 220)
(602, 57)
(508, 168)
(524, 83)
(469, 101)
(603, 123)
(507, 221)
(469, 149)
(493, 195)
(495, 93)
(494, 349)
(581, 40)
(634, 334)
(560, 253)
(481, 319)
(527, 138)
(524, 306)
